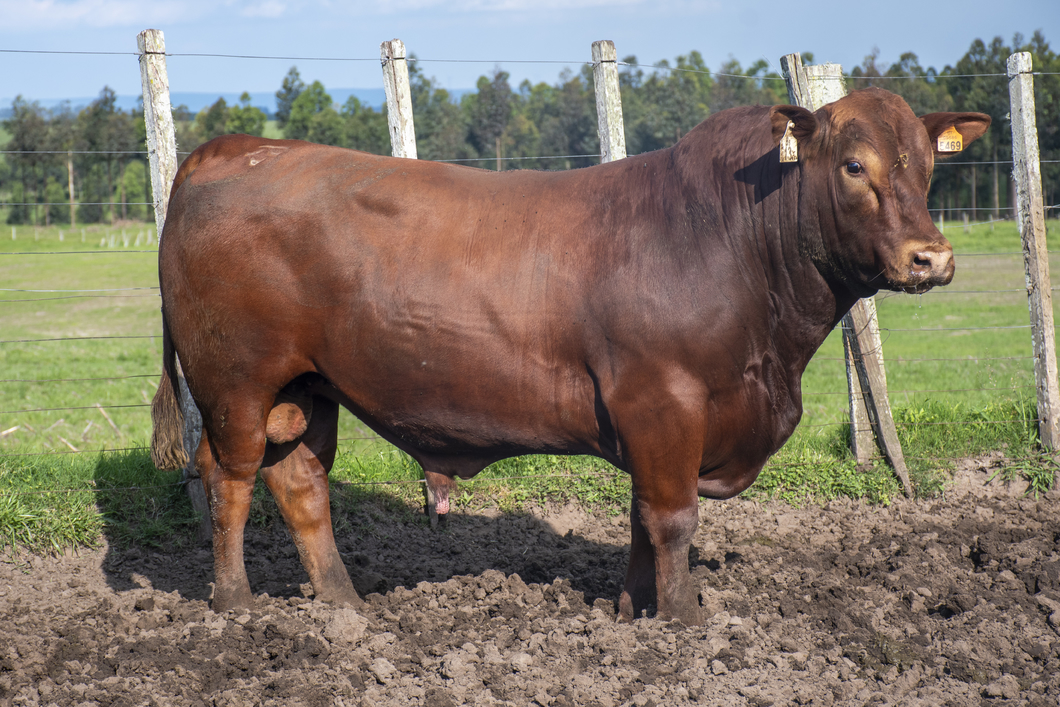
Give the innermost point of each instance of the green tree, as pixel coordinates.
(314, 118)
(245, 118)
(290, 89)
(28, 126)
(441, 124)
(107, 136)
(667, 103)
(19, 212)
(733, 86)
(365, 128)
(136, 190)
(569, 130)
(54, 196)
(187, 133)
(488, 113)
(977, 83)
(63, 137)
(212, 122)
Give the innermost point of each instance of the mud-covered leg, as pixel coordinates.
(297, 475)
(664, 517)
(228, 490)
(436, 490)
(639, 590)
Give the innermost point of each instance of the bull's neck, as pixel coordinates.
(770, 234)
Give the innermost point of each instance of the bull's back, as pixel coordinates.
(419, 290)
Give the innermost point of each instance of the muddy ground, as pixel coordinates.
(954, 601)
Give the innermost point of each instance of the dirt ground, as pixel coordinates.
(954, 601)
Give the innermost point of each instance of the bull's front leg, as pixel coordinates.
(663, 526)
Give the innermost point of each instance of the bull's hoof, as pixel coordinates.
(690, 616)
(228, 599)
(340, 596)
(625, 609)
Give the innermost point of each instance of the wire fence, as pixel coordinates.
(991, 358)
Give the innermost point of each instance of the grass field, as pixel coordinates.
(958, 367)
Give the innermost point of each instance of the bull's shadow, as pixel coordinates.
(384, 544)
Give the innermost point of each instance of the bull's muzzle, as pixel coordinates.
(929, 267)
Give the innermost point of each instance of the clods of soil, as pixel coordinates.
(953, 601)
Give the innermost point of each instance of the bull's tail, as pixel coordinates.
(167, 437)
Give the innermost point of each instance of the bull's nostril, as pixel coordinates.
(922, 261)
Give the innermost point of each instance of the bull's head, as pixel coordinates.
(866, 164)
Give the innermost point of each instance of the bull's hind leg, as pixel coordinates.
(297, 475)
(228, 468)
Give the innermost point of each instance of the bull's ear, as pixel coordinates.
(956, 130)
(804, 124)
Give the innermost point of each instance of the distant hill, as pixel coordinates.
(266, 101)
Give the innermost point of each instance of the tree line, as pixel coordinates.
(90, 166)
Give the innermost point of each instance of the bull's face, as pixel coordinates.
(866, 164)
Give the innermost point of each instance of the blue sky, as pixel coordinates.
(459, 40)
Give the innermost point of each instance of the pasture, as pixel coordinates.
(81, 353)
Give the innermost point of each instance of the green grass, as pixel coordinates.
(272, 130)
(955, 391)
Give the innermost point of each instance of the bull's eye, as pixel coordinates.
(854, 167)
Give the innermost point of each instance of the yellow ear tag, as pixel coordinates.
(789, 148)
(950, 140)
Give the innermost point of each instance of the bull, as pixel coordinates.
(657, 312)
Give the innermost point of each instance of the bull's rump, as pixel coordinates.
(452, 309)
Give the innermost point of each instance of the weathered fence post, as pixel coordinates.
(1026, 170)
(398, 98)
(608, 101)
(870, 410)
(162, 154)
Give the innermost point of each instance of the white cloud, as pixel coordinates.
(269, 9)
(63, 14)
(499, 6)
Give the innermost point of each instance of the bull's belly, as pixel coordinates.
(444, 418)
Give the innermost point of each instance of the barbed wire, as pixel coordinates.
(51, 299)
(108, 251)
(905, 423)
(76, 203)
(77, 380)
(846, 393)
(68, 51)
(507, 159)
(79, 407)
(105, 289)
(966, 359)
(78, 338)
(74, 152)
(960, 328)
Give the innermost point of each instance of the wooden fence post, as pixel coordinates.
(1026, 170)
(162, 154)
(870, 410)
(608, 101)
(398, 99)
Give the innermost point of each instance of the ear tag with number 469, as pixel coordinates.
(950, 140)
(789, 147)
